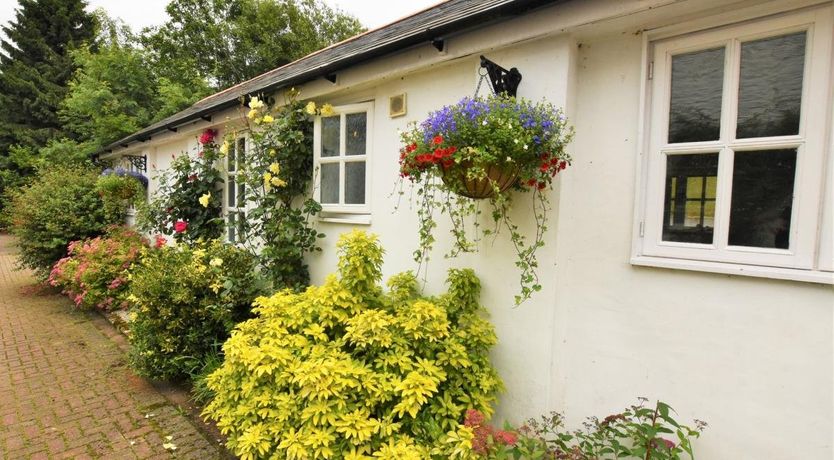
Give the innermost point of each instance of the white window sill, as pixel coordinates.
(792, 274)
(351, 219)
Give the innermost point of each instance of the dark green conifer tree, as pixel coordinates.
(35, 67)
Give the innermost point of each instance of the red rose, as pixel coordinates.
(180, 226)
(208, 136)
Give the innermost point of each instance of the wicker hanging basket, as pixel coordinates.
(455, 177)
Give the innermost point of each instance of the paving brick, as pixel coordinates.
(65, 391)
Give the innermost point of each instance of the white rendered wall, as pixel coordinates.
(525, 333)
(753, 357)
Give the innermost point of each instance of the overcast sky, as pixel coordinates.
(139, 14)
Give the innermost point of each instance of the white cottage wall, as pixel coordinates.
(525, 333)
(753, 357)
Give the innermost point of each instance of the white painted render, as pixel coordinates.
(754, 357)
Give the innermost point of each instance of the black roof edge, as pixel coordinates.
(477, 20)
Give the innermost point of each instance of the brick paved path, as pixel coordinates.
(65, 390)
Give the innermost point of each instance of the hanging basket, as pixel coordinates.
(456, 178)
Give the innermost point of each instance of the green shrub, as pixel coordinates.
(94, 274)
(344, 370)
(186, 300)
(61, 205)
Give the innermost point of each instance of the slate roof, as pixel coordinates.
(425, 26)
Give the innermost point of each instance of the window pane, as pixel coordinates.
(330, 183)
(689, 207)
(230, 159)
(241, 220)
(241, 194)
(356, 127)
(760, 214)
(231, 227)
(695, 108)
(241, 150)
(330, 136)
(770, 89)
(231, 189)
(355, 182)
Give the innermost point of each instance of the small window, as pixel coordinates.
(736, 146)
(342, 153)
(235, 191)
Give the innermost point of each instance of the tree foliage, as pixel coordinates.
(229, 41)
(116, 91)
(35, 66)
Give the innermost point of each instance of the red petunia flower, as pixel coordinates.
(437, 140)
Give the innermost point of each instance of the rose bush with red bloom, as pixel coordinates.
(486, 148)
(175, 208)
(94, 274)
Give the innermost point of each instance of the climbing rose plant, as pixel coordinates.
(277, 171)
(188, 203)
(347, 371)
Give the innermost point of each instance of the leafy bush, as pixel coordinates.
(188, 202)
(638, 432)
(94, 274)
(186, 300)
(344, 370)
(60, 206)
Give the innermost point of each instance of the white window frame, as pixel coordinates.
(809, 257)
(331, 209)
(240, 209)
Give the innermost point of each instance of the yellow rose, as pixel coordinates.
(216, 262)
(268, 119)
(275, 168)
(327, 110)
(204, 200)
(252, 114)
(278, 182)
(255, 103)
(224, 149)
(311, 108)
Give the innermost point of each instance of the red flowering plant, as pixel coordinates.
(188, 203)
(486, 148)
(94, 273)
(638, 432)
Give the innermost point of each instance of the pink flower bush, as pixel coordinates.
(94, 273)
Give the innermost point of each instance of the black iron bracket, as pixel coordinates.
(503, 81)
(139, 162)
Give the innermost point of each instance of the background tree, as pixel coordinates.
(230, 41)
(35, 66)
(116, 91)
